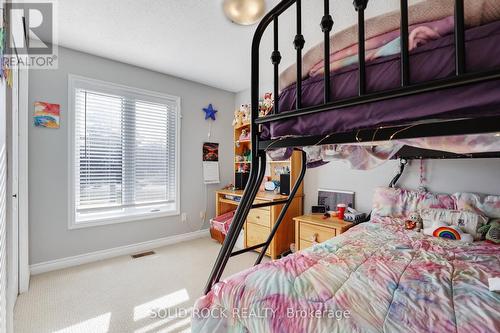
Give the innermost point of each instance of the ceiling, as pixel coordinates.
(191, 39)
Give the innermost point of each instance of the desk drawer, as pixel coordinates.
(257, 234)
(260, 216)
(310, 232)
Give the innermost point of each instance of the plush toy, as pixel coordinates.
(492, 231)
(245, 111)
(414, 222)
(238, 118)
(442, 230)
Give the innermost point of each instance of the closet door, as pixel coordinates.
(3, 205)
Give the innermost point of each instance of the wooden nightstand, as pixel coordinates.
(313, 228)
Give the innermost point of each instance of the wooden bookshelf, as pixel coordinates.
(260, 221)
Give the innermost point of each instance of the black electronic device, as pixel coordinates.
(240, 180)
(318, 209)
(285, 184)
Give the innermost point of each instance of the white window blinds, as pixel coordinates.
(125, 151)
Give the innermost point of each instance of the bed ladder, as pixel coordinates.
(246, 203)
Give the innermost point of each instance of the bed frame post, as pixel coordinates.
(275, 60)
(326, 27)
(405, 57)
(459, 38)
(284, 208)
(298, 43)
(360, 6)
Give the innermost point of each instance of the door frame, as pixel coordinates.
(23, 192)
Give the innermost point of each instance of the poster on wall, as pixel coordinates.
(210, 152)
(211, 163)
(46, 115)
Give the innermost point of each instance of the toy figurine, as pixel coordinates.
(266, 105)
(414, 222)
(247, 154)
(245, 135)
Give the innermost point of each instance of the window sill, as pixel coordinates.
(107, 218)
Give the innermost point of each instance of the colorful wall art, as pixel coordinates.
(46, 115)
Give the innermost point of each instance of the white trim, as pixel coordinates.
(24, 115)
(121, 219)
(126, 91)
(81, 259)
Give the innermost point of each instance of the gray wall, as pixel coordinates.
(447, 176)
(48, 155)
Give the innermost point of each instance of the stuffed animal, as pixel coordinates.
(414, 222)
(245, 111)
(492, 231)
(238, 118)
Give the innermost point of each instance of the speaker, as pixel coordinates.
(240, 180)
(285, 184)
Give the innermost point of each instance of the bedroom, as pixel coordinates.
(125, 220)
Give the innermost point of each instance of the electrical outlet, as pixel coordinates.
(202, 214)
(184, 217)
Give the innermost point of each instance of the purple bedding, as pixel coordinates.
(434, 60)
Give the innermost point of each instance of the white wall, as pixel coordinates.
(48, 172)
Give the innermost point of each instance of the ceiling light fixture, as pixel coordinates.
(244, 12)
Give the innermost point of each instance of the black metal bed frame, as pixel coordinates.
(422, 128)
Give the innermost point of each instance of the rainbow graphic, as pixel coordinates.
(46, 115)
(447, 232)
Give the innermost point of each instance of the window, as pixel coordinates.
(125, 146)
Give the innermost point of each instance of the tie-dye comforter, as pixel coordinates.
(377, 277)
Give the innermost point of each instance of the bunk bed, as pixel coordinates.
(441, 100)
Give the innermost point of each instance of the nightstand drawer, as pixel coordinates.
(260, 217)
(304, 244)
(316, 233)
(257, 234)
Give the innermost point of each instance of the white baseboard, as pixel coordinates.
(86, 258)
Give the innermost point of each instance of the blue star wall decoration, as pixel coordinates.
(209, 112)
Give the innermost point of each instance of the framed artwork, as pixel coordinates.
(46, 115)
(210, 152)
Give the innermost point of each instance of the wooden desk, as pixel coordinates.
(311, 229)
(260, 221)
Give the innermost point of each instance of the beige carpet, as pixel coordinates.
(117, 295)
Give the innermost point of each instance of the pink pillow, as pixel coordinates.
(396, 202)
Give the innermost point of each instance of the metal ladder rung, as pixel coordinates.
(270, 203)
(248, 249)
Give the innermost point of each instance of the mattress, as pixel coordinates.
(377, 277)
(434, 60)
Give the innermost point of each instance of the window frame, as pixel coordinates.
(76, 81)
